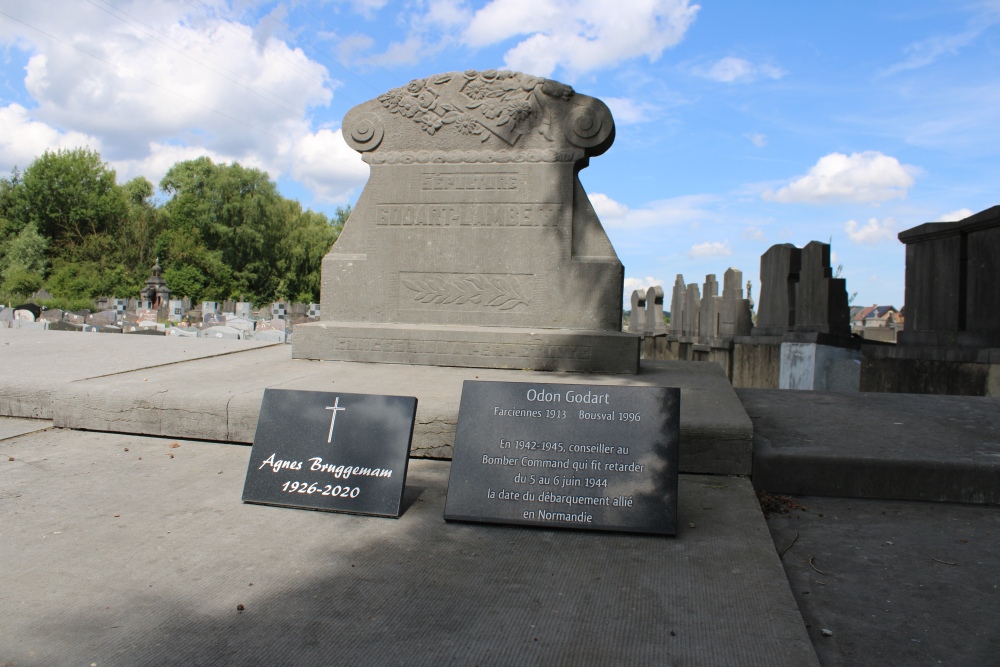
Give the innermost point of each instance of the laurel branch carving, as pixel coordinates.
(490, 291)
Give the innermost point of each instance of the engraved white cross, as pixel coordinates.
(333, 420)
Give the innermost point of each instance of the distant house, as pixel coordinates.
(876, 322)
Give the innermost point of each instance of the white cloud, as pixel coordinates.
(923, 53)
(872, 232)
(757, 139)
(161, 157)
(955, 216)
(627, 111)
(434, 29)
(580, 35)
(737, 70)
(407, 52)
(753, 234)
(148, 84)
(665, 212)
(606, 207)
(325, 164)
(710, 249)
(859, 177)
(211, 76)
(23, 139)
(632, 284)
(367, 8)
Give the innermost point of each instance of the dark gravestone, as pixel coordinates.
(331, 451)
(952, 291)
(64, 325)
(566, 456)
(779, 274)
(677, 305)
(820, 299)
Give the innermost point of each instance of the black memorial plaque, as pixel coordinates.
(566, 456)
(331, 451)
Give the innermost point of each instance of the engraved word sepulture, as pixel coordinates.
(473, 242)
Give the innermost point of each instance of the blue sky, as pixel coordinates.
(739, 124)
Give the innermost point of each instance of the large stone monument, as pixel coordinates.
(951, 340)
(473, 242)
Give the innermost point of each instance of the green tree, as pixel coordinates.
(143, 224)
(237, 213)
(271, 247)
(23, 262)
(72, 194)
(301, 253)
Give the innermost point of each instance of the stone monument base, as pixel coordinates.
(471, 347)
(908, 369)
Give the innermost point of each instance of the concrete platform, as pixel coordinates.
(11, 428)
(35, 363)
(894, 582)
(213, 392)
(128, 550)
(890, 446)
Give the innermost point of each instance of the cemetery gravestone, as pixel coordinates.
(637, 321)
(779, 274)
(269, 335)
(271, 325)
(331, 451)
(677, 305)
(176, 310)
(566, 456)
(474, 243)
(654, 311)
(820, 299)
(735, 317)
(708, 308)
(105, 318)
(146, 317)
(692, 310)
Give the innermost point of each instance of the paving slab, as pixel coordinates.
(219, 399)
(130, 550)
(894, 582)
(876, 445)
(34, 363)
(11, 427)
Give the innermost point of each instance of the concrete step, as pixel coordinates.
(866, 445)
(212, 389)
(34, 364)
(128, 550)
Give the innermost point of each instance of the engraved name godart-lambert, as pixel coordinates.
(500, 292)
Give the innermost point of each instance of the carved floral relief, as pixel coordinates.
(506, 104)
